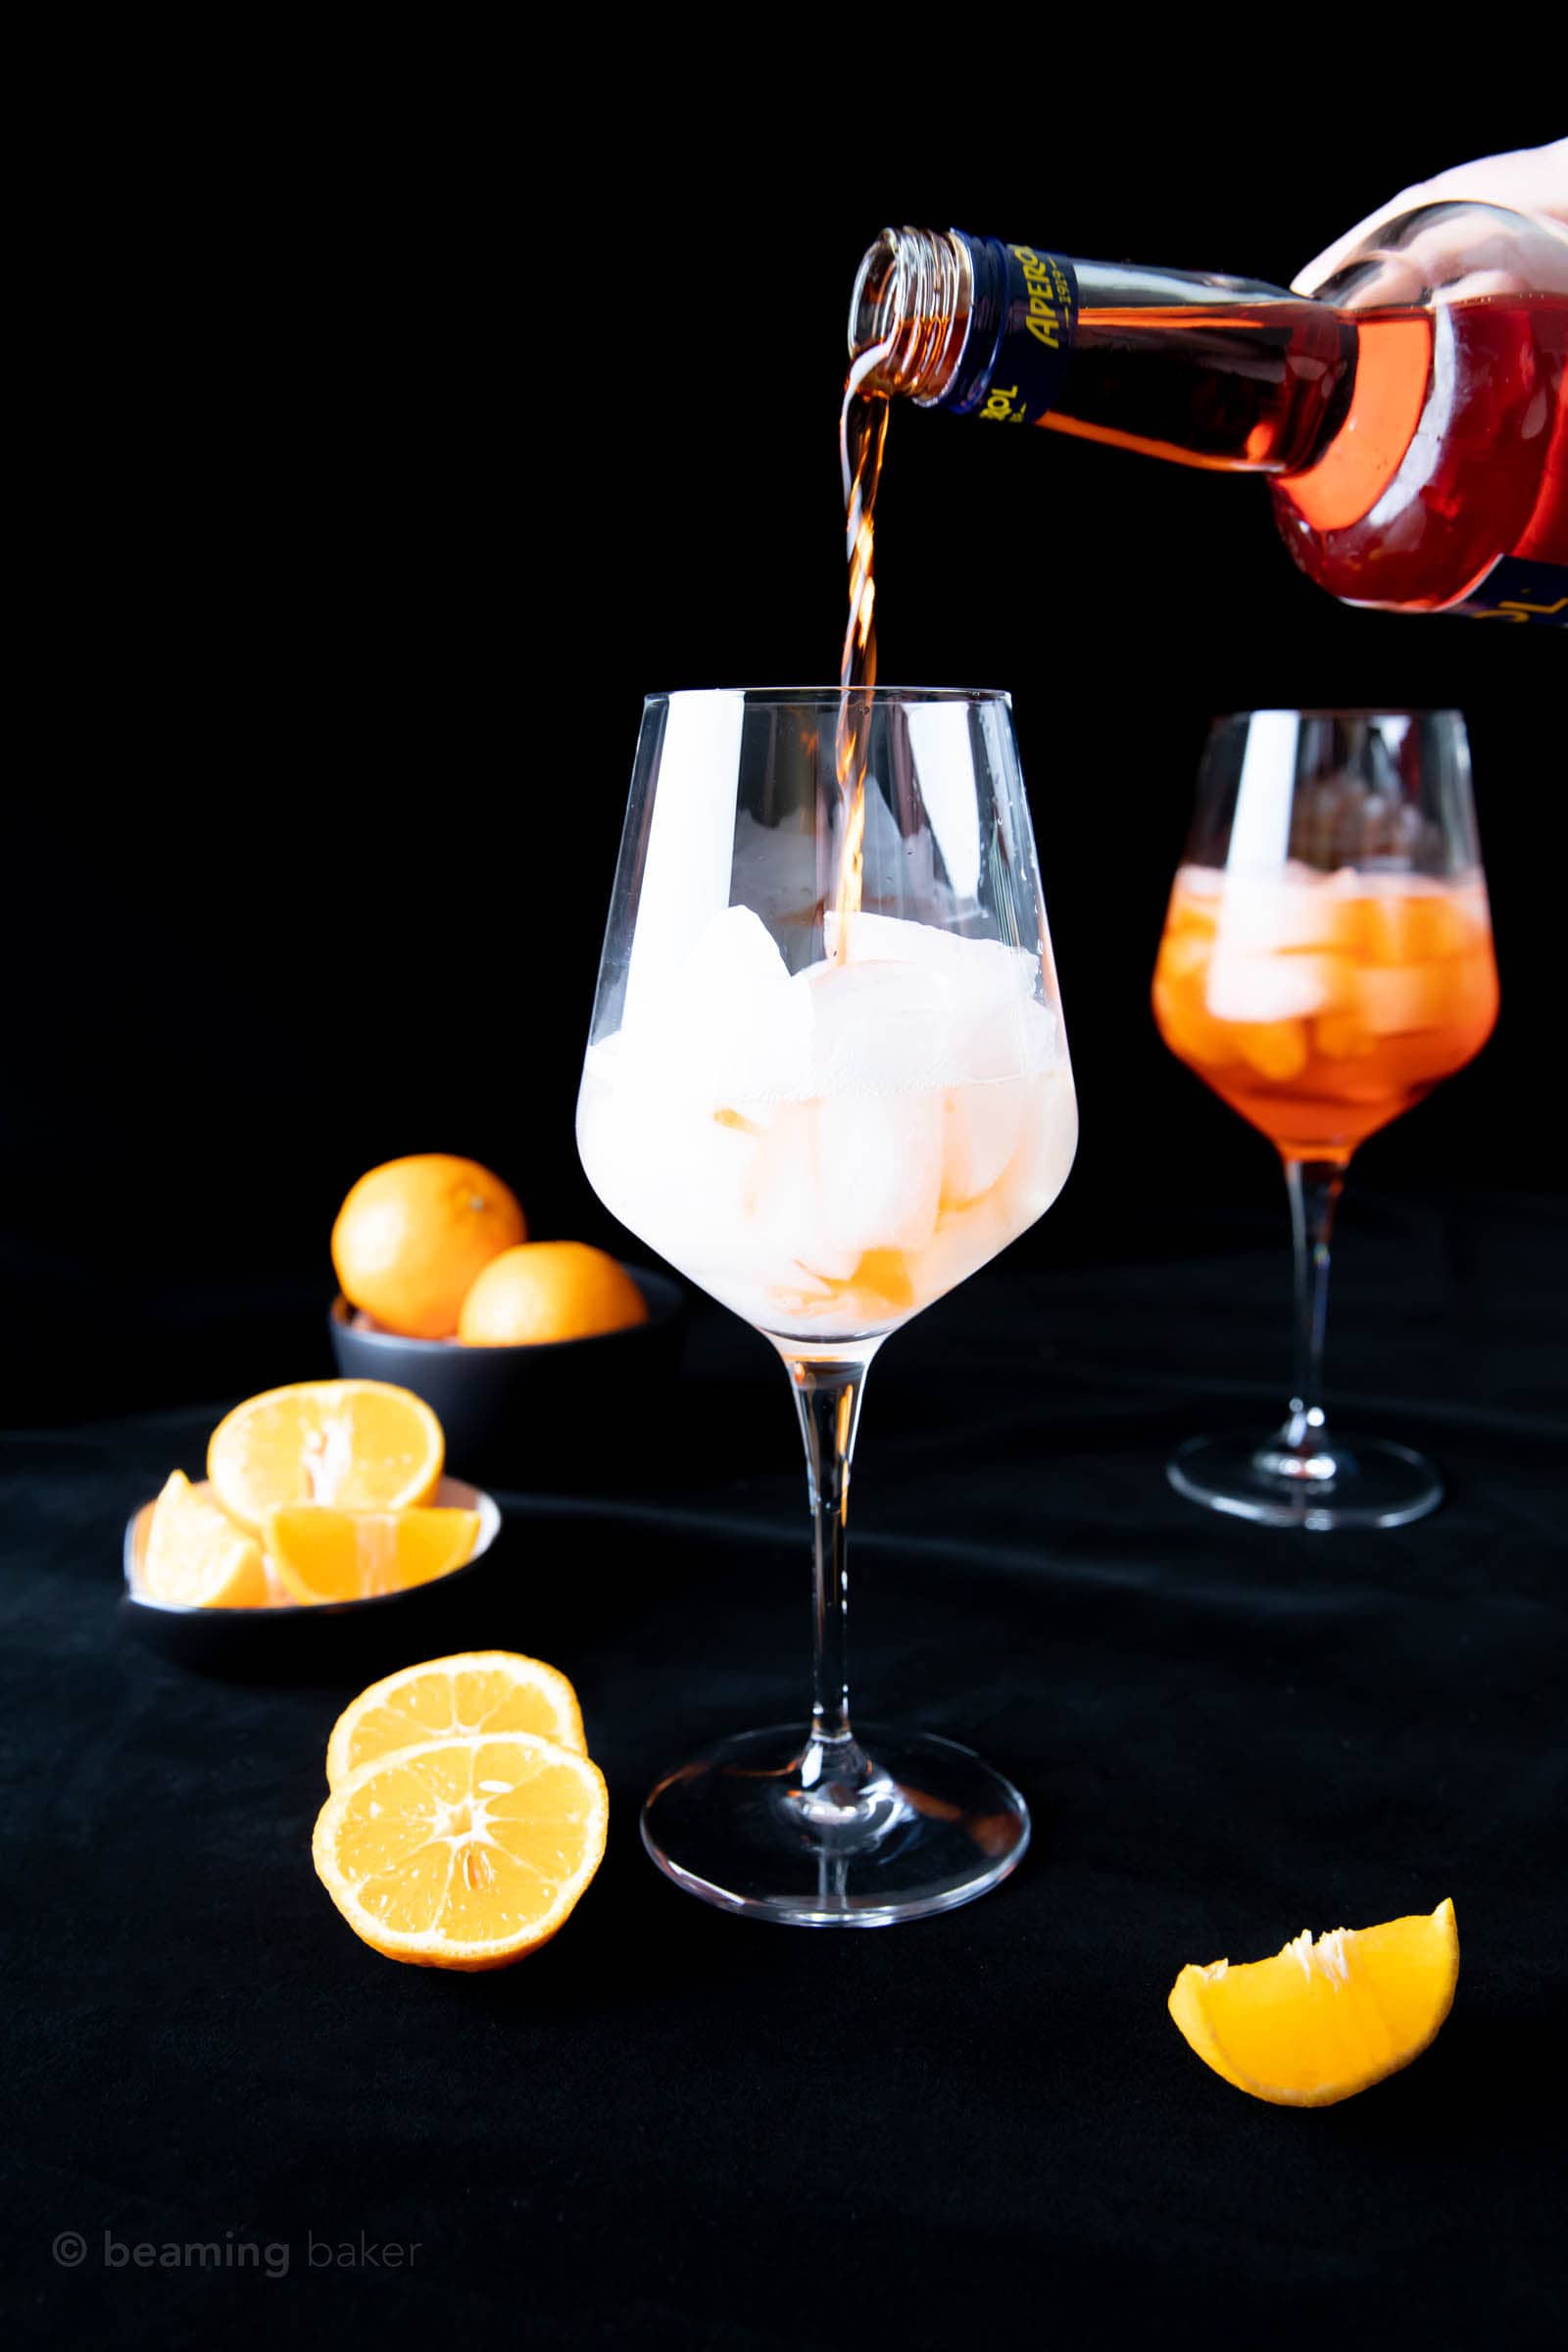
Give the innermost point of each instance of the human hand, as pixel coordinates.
(1530, 179)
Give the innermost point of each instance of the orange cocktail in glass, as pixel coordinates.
(1326, 960)
(1321, 1006)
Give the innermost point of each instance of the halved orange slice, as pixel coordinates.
(479, 1691)
(324, 1553)
(197, 1556)
(1324, 2018)
(360, 1444)
(462, 1853)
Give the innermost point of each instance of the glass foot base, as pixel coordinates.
(892, 1827)
(1365, 1482)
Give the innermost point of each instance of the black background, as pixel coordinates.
(417, 433)
(419, 458)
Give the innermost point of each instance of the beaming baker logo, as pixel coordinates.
(270, 2258)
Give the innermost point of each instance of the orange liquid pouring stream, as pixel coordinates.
(862, 436)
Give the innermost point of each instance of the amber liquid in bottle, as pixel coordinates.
(1474, 398)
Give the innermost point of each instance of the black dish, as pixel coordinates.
(366, 1638)
(545, 1416)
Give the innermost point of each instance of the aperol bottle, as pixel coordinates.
(1414, 414)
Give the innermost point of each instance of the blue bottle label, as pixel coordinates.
(1515, 589)
(1025, 314)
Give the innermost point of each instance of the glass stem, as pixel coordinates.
(827, 1397)
(1314, 1186)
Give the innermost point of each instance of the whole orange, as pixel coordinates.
(412, 1236)
(549, 1290)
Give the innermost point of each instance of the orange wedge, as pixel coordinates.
(360, 1444)
(480, 1690)
(197, 1556)
(1324, 2018)
(324, 1553)
(462, 1853)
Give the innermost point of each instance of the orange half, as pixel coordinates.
(361, 1444)
(462, 1853)
(479, 1691)
(1327, 2016)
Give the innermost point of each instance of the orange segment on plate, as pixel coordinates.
(197, 1556)
(480, 1690)
(1323, 2018)
(361, 1444)
(324, 1553)
(462, 1853)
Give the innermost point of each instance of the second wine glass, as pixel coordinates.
(1327, 960)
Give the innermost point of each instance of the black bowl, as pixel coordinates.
(553, 1415)
(329, 1638)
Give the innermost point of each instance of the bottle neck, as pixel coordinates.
(1213, 371)
(932, 310)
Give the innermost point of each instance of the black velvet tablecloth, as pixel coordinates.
(678, 2128)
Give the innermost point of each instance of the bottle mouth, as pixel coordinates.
(909, 314)
(874, 304)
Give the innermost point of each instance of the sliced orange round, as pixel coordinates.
(197, 1556)
(360, 1444)
(462, 1853)
(479, 1691)
(1324, 2018)
(324, 1553)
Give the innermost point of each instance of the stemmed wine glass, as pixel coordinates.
(1327, 958)
(827, 1079)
